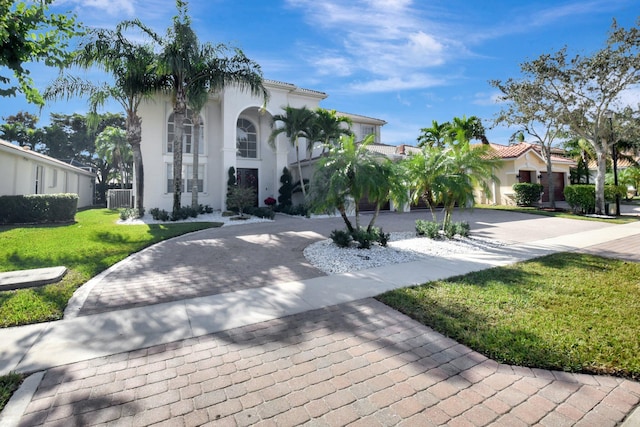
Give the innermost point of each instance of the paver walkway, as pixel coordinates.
(357, 363)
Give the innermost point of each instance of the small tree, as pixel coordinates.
(240, 198)
(286, 189)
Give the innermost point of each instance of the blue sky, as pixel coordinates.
(406, 62)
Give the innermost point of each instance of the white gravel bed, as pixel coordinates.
(402, 247)
(212, 217)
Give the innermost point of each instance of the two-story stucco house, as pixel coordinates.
(235, 129)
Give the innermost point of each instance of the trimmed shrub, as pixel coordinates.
(205, 209)
(342, 238)
(260, 212)
(38, 208)
(431, 229)
(581, 198)
(527, 193)
(298, 210)
(286, 189)
(364, 238)
(457, 228)
(610, 192)
(128, 213)
(159, 214)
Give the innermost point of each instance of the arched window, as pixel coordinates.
(187, 146)
(247, 139)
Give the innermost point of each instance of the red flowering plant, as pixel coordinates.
(269, 201)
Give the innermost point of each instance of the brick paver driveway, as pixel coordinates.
(359, 364)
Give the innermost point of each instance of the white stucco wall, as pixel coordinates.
(18, 175)
(220, 118)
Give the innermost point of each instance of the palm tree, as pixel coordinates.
(197, 98)
(350, 172)
(111, 144)
(184, 63)
(327, 127)
(297, 123)
(428, 174)
(466, 129)
(450, 176)
(436, 136)
(132, 68)
(471, 167)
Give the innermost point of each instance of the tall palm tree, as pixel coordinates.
(132, 67)
(467, 129)
(297, 123)
(184, 63)
(328, 127)
(436, 136)
(197, 98)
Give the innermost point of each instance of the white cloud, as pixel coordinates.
(484, 98)
(387, 44)
(333, 65)
(394, 83)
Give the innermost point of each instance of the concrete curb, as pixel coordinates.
(13, 411)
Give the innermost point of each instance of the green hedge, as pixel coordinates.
(527, 193)
(582, 197)
(38, 208)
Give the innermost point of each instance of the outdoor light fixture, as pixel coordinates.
(540, 176)
(614, 157)
(518, 176)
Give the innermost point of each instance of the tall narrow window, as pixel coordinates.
(39, 180)
(246, 139)
(187, 136)
(190, 180)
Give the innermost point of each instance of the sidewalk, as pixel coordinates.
(50, 345)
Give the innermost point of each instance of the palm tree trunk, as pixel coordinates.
(179, 113)
(345, 218)
(134, 136)
(374, 218)
(304, 191)
(196, 149)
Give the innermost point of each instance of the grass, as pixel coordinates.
(8, 384)
(558, 214)
(569, 312)
(87, 247)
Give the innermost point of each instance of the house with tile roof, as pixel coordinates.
(523, 162)
(23, 171)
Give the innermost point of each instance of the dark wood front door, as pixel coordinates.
(558, 186)
(248, 178)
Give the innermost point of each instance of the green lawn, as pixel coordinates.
(87, 247)
(558, 214)
(570, 312)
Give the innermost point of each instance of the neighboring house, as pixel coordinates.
(23, 172)
(524, 162)
(235, 130)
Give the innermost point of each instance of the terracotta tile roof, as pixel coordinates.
(517, 150)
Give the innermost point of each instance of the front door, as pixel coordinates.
(248, 178)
